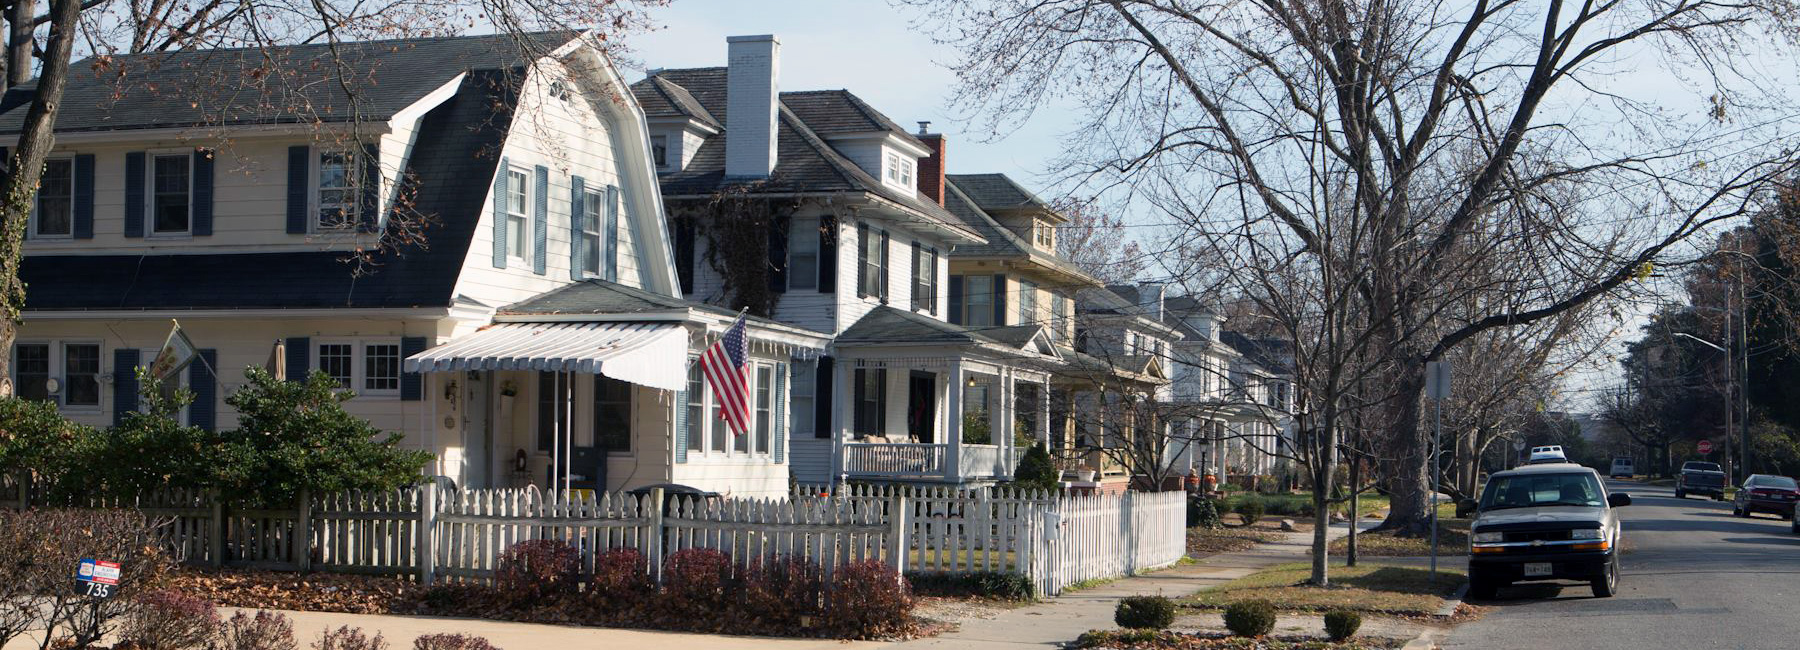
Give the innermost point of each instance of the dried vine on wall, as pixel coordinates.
(735, 223)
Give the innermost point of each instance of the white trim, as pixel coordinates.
(59, 370)
(430, 101)
(313, 188)
(214, 133)
(307, 313)
(358, 359)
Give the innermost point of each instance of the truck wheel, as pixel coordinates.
(1794, 527)
(1608, 583)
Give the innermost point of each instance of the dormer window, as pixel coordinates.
(1045, 235)
(659, 151)
(900, 170)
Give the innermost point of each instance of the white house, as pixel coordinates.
(830, 201)
(527, 175)
(1234, 391)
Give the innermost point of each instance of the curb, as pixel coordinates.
(1450, 604)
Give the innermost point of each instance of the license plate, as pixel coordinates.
(1537, 569)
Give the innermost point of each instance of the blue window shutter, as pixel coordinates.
(956, 299)
(885, 269)
(203, 192)
(577, 220)
(540, 221)
(999, 300)
(84, 195)
(299, 189)
(368, 207)
(610, 234)
(299, 357)
(500, 175)
(822, 391)
(412, 384)
(828, 254)
(203, 413)
(134, 194)
(780, 430)
(125, 384)
(681, 426)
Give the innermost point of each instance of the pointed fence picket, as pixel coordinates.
(459, 535)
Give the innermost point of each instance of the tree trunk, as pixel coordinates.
(1355, 509)
(1409, 484)
(1324, 467)
(19, 17)
(26, 168)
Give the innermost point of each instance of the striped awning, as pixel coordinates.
(647, 354)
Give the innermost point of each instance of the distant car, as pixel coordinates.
(1768, 493)
(1700, 477)
(1547, 454)
(1545, 522)
(1622, 467)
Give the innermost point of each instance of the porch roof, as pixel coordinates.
(652, 354)
(889, 326)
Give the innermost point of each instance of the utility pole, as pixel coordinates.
(1437, 387)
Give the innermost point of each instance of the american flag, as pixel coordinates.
(724, 365)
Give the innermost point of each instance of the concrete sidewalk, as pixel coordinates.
(1059, 621)
(399, 632)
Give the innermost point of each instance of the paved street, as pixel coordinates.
(1693, 577)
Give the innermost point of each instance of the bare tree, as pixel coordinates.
(1478, 164)
(1098, 242)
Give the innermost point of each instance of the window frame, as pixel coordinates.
(762, 408)
(803, 373)
(697, 393)
(803, 243)
(517, 248)
(874, 258)
(50, 365)
(925, 284)
(593, 211)
(1028, 303)
(359, 363)
(969, 303)
(150, 193)
(317, 190)
(363, 361)
(37, 205)
(67, 376)
(659, 151)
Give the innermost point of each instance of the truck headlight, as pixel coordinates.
(1586, 533)
(1488, 538)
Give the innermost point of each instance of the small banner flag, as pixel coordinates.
(177, 352)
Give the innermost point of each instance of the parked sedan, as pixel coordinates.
(1768, 493)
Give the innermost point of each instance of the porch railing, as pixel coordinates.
(894, 459)
(982, 460)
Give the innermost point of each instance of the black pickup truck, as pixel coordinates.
(1700, 477)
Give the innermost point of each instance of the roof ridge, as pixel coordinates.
(298, 46)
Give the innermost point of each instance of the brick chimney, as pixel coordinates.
(931, 168)
(752, 100)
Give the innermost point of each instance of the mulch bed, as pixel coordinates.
(1202, 541)
(1168, 640)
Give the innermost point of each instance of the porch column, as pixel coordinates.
(1043, 408)
(842, 375)
(997, 425)
(1009, 422)
(953, 407)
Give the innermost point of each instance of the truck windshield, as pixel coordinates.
(1701, 467)
(1535, 490)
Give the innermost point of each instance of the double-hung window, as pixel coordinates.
(1059, 311)
(612, 414)
(54, 216)
(765, 401)
(76, 366)
(171, 195)
(593, 214)
(518, 244)
(1044, 235)
(800, 398)
(873, 257)
(803, 258)
(871, 400)
(978, 301)
(336, 179)
(696, 408)
(369, 367)
(659, 150)
(381, 368)
(924, 289)
(338, 360)
(1028, 303)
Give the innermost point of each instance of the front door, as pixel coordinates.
(921, 407)
(478, 436)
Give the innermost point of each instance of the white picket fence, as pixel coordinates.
(458, 535)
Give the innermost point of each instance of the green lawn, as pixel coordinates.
(1369, 587)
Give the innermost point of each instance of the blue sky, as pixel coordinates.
(864, 46)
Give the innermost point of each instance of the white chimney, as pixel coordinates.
(751, 98)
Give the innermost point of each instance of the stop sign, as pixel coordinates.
(1705, 447)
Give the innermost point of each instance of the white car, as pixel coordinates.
(1547, 454)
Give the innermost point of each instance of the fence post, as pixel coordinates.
(216, 532)
(303, 533)
(898, 548)
(655, 526)
(427, 549)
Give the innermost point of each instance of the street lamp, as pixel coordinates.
(1730, 407)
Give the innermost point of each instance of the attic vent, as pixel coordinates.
(559, 90)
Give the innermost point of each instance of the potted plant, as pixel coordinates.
(508, 392)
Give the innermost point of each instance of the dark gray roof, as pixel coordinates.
(457, 141)
(602, 297)
(805, 162)
(886, 324)
(1001, 241)
(1102, 300)
(996, 192)
(1271, 354)
(291, 84)
(662, 97)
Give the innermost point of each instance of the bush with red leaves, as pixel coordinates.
(165, 619)
(778, 595)
(349, 638)
(536, 572)
(263, 631)
(698, 582)
(867, 599)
